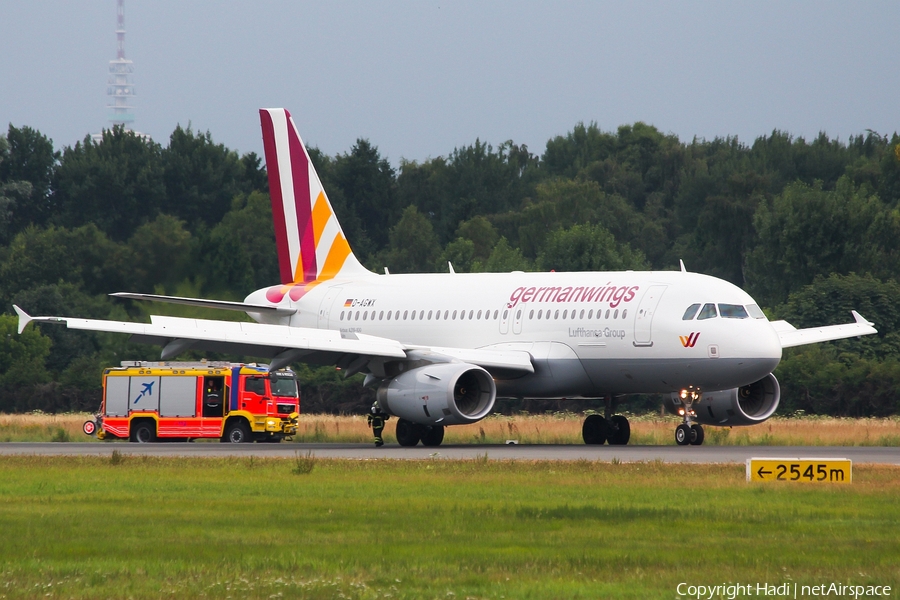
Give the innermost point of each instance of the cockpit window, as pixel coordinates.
(691, 312)
(733, 311)
(707, 312)
(755, 311)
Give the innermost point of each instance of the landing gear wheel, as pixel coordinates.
(433, 436)
(594, 430)
(683, 434)
(408, 433)
(143, 433)
(237, 433)
(696, 435)
(619, 431)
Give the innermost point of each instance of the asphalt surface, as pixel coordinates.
(668, 454)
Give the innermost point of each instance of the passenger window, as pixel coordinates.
(616, 314)
(607, 314)
(405, 314)
(691, 312)
(381, 315)
(421, 314)
(530, 314)
(454, 314)
(342, 315)
(495, 314)
(733, 311)
(565, 312)
(471, 313)
(540, 314)
(365, 315)
(591, 314)
(429, 315)
(556, 315)
(479, 315)
(624, 313)
(707, 312)
(412, 317)
(581, 316)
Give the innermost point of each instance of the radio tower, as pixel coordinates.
(120, 88)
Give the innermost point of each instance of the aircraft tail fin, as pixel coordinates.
(311, 245)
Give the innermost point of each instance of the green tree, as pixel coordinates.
(116, 184)
(503, 259)
(201, 177)
(587, 248)
(368, 191)
(239, 255)
(162, 253)
(808, 231)
(27, 156)
(21, 361)
(414, 246)
(84, 257)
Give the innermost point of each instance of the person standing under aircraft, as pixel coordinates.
(376, 418)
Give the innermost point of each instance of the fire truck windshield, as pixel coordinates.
(284, 386)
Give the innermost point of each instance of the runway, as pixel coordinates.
(667, 454)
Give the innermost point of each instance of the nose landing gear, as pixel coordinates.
(689, 432)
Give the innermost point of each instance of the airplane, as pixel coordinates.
(441, 348)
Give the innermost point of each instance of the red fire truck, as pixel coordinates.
(235, 402)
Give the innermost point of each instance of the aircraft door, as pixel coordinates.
(518, 317)
(643, 318)
(326, 306)
(504, 319)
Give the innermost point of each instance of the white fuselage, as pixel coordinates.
(589, 333)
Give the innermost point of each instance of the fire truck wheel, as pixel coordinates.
(143, 432)
(238, 433)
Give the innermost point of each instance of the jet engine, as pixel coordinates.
(746, 405)
(440, 394)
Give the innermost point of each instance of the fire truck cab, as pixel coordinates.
(235, 402)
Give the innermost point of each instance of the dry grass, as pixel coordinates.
(561, 428)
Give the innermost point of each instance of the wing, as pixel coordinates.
(283, 344)
(791, 336)
(219, 304)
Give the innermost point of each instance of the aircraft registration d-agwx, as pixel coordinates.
(440, 348)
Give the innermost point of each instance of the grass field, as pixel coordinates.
(143, 527)
(562, 428)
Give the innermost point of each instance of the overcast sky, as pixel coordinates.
(421, 78)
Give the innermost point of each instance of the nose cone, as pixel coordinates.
(764, 346)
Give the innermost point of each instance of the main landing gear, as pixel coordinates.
(410, 434)
(611, 428)
(689, 432)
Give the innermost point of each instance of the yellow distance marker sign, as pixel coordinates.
(802, 470)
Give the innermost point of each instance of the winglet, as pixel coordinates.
(860, 319)
(24, 318)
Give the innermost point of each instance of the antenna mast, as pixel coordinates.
(120, 89)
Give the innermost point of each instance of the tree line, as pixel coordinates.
(809, 228)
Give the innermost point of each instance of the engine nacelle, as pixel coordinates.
(746, 405)
(440, 394)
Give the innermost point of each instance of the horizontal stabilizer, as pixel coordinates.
(791, 336)
(203, 303)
